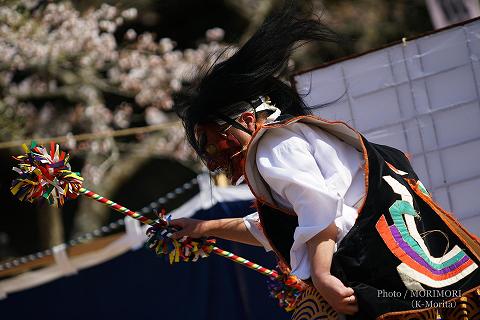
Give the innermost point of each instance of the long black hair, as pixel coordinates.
(253, 71)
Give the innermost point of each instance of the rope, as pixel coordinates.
(92, 136)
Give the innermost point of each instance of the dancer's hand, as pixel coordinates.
(189, 227)
(340, 298)
(233, 229)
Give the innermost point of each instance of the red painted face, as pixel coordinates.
(221, 150)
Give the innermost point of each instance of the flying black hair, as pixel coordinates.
(252, 71)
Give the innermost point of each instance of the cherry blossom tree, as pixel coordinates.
(64, 72)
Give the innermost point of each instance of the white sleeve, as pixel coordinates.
(288, 166)
(252, 222)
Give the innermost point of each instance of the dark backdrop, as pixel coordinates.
(139, 285)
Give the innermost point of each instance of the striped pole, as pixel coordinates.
(116, 206)
(245, 262)
(145, 220)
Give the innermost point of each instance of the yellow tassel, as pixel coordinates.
(15, 189)
(177, 252)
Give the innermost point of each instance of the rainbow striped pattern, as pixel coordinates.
(405, 242)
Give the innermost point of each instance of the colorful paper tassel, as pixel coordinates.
(45, 175)
(287, 289)
(185, 250)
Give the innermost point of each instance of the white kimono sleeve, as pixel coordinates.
(296, 180)
(252, 222)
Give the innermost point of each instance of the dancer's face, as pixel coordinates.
(223, 147)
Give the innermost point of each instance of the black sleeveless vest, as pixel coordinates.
(396, 256)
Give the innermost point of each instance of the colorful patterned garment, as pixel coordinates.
(405, 257)
(313, 306)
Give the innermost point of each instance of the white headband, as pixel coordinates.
(265, 105)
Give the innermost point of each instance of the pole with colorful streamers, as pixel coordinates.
(223, 253)
(47, 176)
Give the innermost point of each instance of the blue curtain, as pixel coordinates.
(139, 285)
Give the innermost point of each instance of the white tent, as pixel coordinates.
(422, 97)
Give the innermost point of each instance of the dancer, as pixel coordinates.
(348, 216)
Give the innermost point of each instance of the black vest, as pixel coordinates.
(391, 253)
